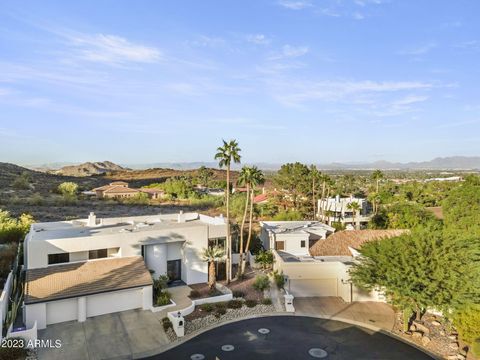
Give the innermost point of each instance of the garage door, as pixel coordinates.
(309, 288)
(61, 310)
(113, 302)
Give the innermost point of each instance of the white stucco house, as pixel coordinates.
(81, 268)
(323, 269)
(336, 209)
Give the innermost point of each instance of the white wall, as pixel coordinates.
(114, 302)
(38, 313)
(156, 259)
(61, 311)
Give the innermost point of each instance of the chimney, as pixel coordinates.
(337, 198)
(92, 219)
(181, 217)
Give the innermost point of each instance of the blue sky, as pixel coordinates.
(313, 81)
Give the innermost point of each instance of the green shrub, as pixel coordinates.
(207, 307)
(279, 279)
(13, 230)
(139, 199)
(261, 282)
(68, 189)
(194, 294)
(265, 258)
(221, 305)
(234, 304)
(163, 298)
(466, 322)
(267, 301)
(238, 294)
(22, 182)
(12, 353)
(167, 324)
(251, 303)
(220, 311)
(36, 199)
(475, 348)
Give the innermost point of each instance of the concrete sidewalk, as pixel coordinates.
(378, 314)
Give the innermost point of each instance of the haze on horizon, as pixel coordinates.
(291, 80)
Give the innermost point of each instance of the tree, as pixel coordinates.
(402, 215)
(205, 175)
(377, 175)
(355, 207)
(212, 255)
(315, 177)
(326, 185)
(265, 258)
(294, 178)
(68, 189)
(226, 154)
(466, 321)
(421, 269)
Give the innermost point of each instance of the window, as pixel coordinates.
(97, 254)
(58, 258)
(302, 243)
(220, 242)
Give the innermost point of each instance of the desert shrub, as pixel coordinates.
(466, 322)
(36, 199)
(22, 182)
(261, 282)
(194, 294)
(163, 298)
(251, 303)
(167, 324)
(265, 258)
(68, 189)
(238, 294)
(221, 305)
(279, 279)
(267, 301)
(214, 292)
(13, 230)
(13, 353)
(234, 304)
(207, 307)
(138, 199)
(220, 311)
(475, 348)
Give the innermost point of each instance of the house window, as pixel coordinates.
(302, 243)
(58, 258)
(280, 245)
(97, 254)
(220, 242)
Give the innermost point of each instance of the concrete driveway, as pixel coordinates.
(369, 313)
(124, 335)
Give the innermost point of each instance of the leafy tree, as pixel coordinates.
(68, 189)
(265, 258)
(377, 175)
(424, 268)
(355, 207)
(226, 154)
(467, 322)
(295, 179)
(205, 175)
(401, 215)
(212, 255)
(178, 188)
(288, 216)
(13, 230)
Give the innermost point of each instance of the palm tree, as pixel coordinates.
(257, 178)
(377, 175)
(314, 175)
(225, 155)
(212, 255)
(244, 179)
(355, 207)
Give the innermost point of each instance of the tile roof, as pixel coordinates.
(260, 198)
(338, 244)
(85, 278)
(118, 189)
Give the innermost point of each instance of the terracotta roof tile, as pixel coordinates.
(338, 244)
(85, 278)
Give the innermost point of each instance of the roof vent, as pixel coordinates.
(92, 219)
(181, 217)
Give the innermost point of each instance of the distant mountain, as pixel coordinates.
(88, 169)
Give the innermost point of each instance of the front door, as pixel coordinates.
(174, 270)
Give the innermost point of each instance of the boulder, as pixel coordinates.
(421, 327)
(425, 340)
(413, 327)
(461, 357)
(417, 335)
(452, 337)
(436, 323)
(442, 333)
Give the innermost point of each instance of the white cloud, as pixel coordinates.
(420, 50)
(295, 4)
(112, 49)
(258, 39)
(294, 51)
(358, 16)
(208, 41)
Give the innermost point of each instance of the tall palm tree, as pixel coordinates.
(377, 175)
(355, 207)
(257, 178)
(244, 179)
(212, 255)
(226, 154)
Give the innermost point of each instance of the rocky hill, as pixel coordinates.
(89, 169)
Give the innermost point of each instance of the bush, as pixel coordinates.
(11, 229)
(167, 324)
(238, 294)
(475, 348)
(221, 305)
(22, 182)
(234, 304)
(194, 294)
(207, 307)
(279, 280)
(261, 283)
(163, 298)
(36, 199)
(138, 199)
(267, 301)
(12, 353)
(466, 322)
(220, 311)
(251, 303)
(265, 258)
(7, 256)
(68, 189)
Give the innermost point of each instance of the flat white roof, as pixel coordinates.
(300, 227)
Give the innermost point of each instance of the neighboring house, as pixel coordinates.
(336, 209)
(81, 268)
(120, 190)
(324, 272)
(294, 237)
(210, 191)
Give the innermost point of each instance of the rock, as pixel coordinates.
(452, 337)
(436, 323)
(461, 357)
(463, 352)
(421, 327)
(451, 357)
(453, 346)
(417, 335)
(413, 327)
(425, 340)
(442, 333)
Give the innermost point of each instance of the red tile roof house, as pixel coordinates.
(87, 267)
(323, 271)
(120, 189)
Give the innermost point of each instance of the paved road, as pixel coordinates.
(290, 338)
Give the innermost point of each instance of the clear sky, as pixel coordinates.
(314, 81)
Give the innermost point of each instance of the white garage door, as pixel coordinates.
(309, 288)
(113, 302)
(61, 310)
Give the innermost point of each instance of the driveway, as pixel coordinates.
(291, 337)
(378, 314)
(124, 335)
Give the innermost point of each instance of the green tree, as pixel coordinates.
(315, 178)
(355, 207)
(12, 229)
(377, 176)
(68, 189)
(402, 215)
(205, 175)
(226, 154)
(467, 322)
(265, 258)
(212, 255)
(295, 179)
(421, 269)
